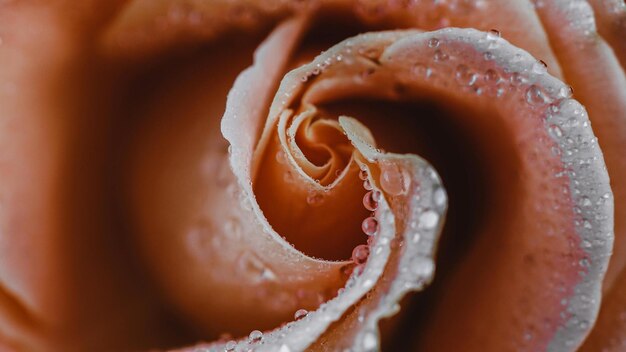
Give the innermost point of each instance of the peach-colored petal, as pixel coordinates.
(53, 249)
(610, 18)
(150, 26)
(592, 69)
(609, 331)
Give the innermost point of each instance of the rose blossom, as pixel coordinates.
(136, 216)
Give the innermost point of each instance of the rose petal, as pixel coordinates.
(151, 26)
(611, 21)
(609, 331)
(592, 69)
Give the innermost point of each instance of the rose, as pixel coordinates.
(49, 300)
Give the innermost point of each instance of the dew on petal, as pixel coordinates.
(369, 342)
(255, 336)
(230, 345)
(363, 174)
(284, 348)
(360, 254)
(540, 67)
(300, 313)
(393, 181)
(491, 76)
(440, 197)
(314, 199)
(370, 226)
(428, 219)
(370, 200)
(493, 34)
(367, 185)
(421, 70)
(517, 79)
(535, 96)
(566, 92)
(252, 266)
(433, 43)
(440, 56)
(464, 75)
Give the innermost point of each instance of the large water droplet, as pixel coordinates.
(255, 336)
(300, 313)
(370, 200)
(360, 254)
(394, 181)
(370, 226)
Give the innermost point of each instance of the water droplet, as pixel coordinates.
(421, 70)
(367, 185)
(230, 345)
(284, 348)
(440, 56)
(491, 76)
(517, 79)
(360, 254)
(428, 219)
(255, 336)
(440, 197)
(314, 199)
(370, 200)
(464, 75)
(369, 342)
(535, 95)
(587, 224)
(300, 313)
(363, 174)
(433, 43)
(566, 92)
(539, 67)
(394, 181)
(255, 268)
(586, 202)
(370, 226)
(488, 55)
(232, 227)
(555, 131)
(493, 34)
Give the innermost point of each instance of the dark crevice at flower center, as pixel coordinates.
(454, 140)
